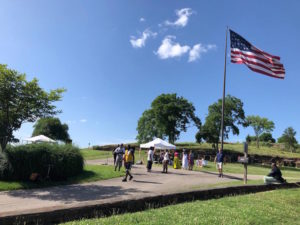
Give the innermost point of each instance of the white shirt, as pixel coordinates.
(150, 155)
(166, 157)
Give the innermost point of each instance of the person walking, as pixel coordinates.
(166, 162)
(191, 160)
(128, 161)
(119, 157)
(220, 160)
(150, 159)
(185, 159)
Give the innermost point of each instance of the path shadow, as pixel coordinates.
(146, 182)
(71, 193)
(226, 176)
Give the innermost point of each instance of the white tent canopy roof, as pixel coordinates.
(40, 138)
(158, 144)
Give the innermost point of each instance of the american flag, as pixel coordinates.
(257, 60)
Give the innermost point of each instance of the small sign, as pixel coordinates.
(244, 160)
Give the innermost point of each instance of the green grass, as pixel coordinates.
(238, 147)
(273, 207)
(288, 172)
(95, 154)
(235, 147)
(90, 173)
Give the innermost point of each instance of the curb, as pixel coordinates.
(119, 207)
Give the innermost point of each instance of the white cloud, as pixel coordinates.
(83, 120)
(140, 42)
(183, 18)
(198, 49)
(170, 49)
(142, 19)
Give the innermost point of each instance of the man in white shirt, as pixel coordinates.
(166, 162)
(119, 152)
(150, 159)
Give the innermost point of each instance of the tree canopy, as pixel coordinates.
(167, 117)
(52, 128)
(22, 101)
(234, 116)
(259, 125)
(264, 137)
(289, 139)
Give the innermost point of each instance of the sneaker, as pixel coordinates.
(130, 178)
(124, 180)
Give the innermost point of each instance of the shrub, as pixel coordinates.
(63, 160)
(5, 167)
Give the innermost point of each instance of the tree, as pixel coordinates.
(267, 137)
(167, 117)
(22, 101)
(234, 115)
(53, 128)
(264, 137)
(260, 125)
(288, 138)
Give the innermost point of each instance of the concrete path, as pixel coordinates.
(143, 185)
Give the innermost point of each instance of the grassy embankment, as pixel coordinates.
(235, 147)
(238, 147)
(89, 174)
(273, 207)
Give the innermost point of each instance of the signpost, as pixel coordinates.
(244, 160)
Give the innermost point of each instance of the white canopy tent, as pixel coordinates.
(158, 143)
(40, 138)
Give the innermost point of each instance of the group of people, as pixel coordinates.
(188, 160)
(165, 160)
(120, 155)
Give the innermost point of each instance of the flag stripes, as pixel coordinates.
(242, 52)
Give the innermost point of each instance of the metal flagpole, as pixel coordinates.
(223, 100)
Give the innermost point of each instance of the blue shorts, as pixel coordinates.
(128, 165)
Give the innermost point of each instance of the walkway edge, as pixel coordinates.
(107, 209)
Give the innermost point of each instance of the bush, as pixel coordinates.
(63, 160)
(5, 167)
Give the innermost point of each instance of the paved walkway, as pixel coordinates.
(143, 185)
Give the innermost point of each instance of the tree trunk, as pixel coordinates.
(257, 142)
(3, 143)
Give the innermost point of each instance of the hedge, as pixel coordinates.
(63, 160)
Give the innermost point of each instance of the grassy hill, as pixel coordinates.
(274, 150)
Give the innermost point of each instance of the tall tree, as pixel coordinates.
(234, 116)
(22, 101)
(167, 117)
(289, 139)
(260, 125)
(53, 128)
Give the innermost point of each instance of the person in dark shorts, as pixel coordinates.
(128, 161)
(150, 159)
(220, 160)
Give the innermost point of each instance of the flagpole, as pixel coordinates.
(223, 100)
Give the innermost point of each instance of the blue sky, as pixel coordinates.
(115, 57)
